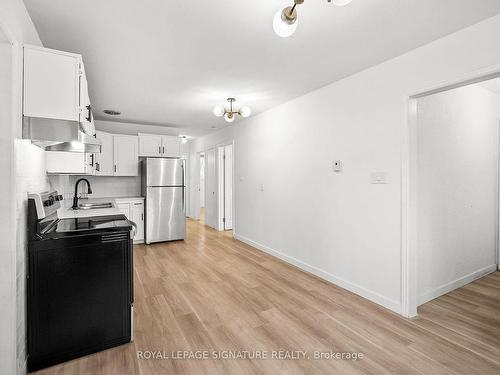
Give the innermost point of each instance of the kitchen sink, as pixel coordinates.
(94, 206)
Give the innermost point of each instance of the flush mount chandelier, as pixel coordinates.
(230, 114)
(285, 21)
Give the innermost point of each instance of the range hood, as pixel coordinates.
(60, 135)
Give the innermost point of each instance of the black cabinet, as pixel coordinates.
(80, 294)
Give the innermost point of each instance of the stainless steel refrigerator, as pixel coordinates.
(164, 190)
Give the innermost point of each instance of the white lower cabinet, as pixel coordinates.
(133, 209)
(137, 211)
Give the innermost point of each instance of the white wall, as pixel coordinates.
(338, 225)
(7, 247)
(457, 194)
(21, 170)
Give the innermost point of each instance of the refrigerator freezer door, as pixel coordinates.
(164, 172)
(165, 214)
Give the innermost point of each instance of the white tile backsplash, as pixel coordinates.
(101, 186)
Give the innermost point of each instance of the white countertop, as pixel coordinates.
(69, 213)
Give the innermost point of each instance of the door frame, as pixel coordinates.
(221, 185)
(216, 163)
(409, 207)
(196, 201)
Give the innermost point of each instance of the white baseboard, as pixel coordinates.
(439, 291)
(354, 288)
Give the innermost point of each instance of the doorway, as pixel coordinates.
(211, 190)
(226, 187)
(201, 190)
(454, 186)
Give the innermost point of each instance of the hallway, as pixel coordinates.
(214, 293)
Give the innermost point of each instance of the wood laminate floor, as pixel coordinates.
(214, 293)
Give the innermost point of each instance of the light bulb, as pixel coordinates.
(245, 111)
(229, 117)
(341, 3)
(184, 139)
(282, 28)
(219, 111)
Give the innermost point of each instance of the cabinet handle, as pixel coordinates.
(91, 160)
(163, 149)
(97, 167)
(89, 113)
(115, 167)
(159, 149)
(142, 217)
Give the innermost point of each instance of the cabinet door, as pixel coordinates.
(171, 146)
(138, 218)
(125, 209)
(59, 162)
(104, 160)
(150, 145)
(51, 84)
(126, 159)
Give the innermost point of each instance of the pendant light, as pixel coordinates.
(230, 114)
(285, 21)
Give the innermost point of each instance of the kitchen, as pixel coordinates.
(178, 206)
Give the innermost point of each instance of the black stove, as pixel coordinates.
(57, 228)
(80, 283)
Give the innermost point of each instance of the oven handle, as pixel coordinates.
(133, 232)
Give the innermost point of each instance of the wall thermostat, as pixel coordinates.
(337, 166)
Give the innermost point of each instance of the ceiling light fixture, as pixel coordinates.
(229, 114)
(183, 139)
(285, 21)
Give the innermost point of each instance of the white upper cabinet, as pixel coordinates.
(86, 116)
(51, 84)
(126, 157)
(104, 161)
(58, 162)
(171, 146)
(150, 145)
(154, 145)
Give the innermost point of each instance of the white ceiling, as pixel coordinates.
(169, 62)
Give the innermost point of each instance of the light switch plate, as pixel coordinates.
(378, 178)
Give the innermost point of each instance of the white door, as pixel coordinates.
(126, 158)
(104, 159)
(51, 84)
(228, 187)
(202, 181)
(211, 207)
(171, 146)
(150, 145)
(138, 218)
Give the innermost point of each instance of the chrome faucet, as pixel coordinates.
(75, 198)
